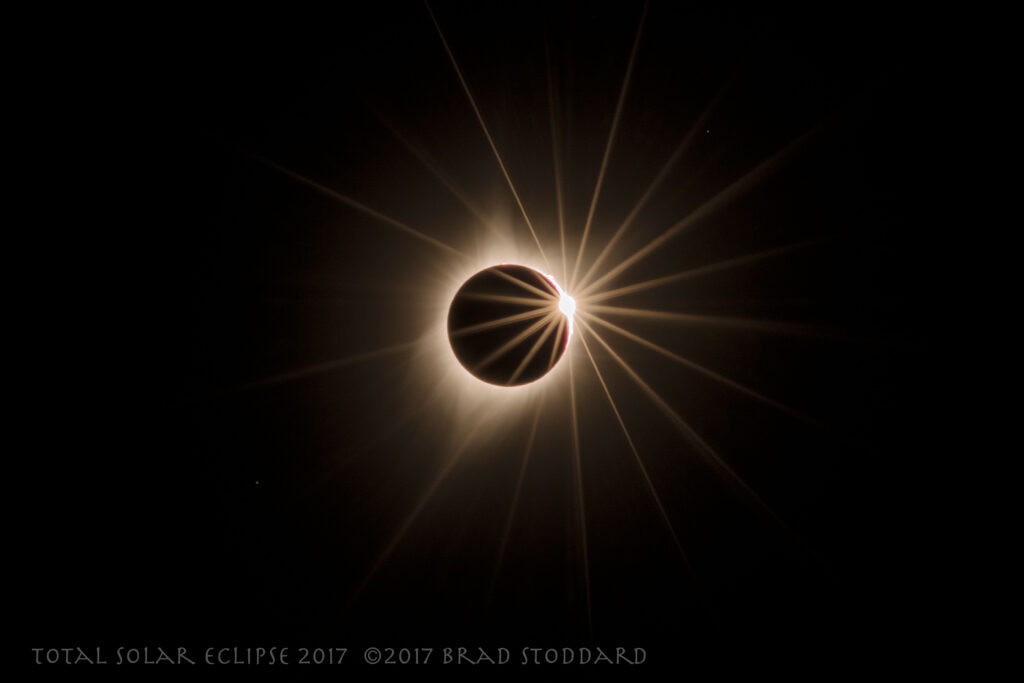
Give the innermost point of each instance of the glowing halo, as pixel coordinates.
(437, 372)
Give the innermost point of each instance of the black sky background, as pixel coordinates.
(174, 267)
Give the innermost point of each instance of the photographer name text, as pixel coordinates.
(334, 656)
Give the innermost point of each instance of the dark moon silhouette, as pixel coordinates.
(503, 325)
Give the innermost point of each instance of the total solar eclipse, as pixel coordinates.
(509, 325)
(557, 326)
